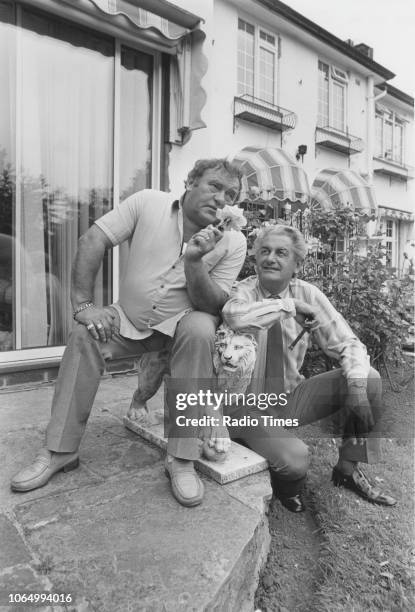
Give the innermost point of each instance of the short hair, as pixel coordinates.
(297, 239)
(219, 163)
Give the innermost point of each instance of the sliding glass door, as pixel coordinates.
(75, 123)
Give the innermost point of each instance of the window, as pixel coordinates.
(60, 166)
(389, 136)
(390, 231)
(332, 92)
(340, 245)
(257, 62)
(246, 43)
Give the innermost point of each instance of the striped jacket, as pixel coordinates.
(250, 308)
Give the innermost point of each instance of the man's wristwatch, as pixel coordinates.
(82, 307)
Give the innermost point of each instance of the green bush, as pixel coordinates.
(368, 295)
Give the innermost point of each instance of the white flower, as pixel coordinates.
(230, 217)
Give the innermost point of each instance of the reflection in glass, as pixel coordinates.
(136, 121)
(7, 172)
(135, 127)
(66, 166)
(56, 163)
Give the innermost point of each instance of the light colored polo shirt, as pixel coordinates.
(153, 294)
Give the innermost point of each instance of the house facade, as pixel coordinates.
(101, 98)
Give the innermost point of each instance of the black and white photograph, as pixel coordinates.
(207, 254)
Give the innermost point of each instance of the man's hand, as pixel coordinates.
(202, 242)
(359, 417)
(101, 323)
(305, 312)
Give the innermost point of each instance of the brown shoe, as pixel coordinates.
(359, 483)
(46, 464)
(186, 485)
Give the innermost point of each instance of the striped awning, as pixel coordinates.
(163, 18)
(162, 25)
(272, 174)
(337, 189)
(394, 213)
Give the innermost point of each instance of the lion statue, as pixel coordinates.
(234, 359)
(233, 362)
(151, 369)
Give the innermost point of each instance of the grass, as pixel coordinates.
(366, 552)
(365, 556)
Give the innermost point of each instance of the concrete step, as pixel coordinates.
(240, 461)
(110, 533)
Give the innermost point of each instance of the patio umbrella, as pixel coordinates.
(271, 174)
(338, 189)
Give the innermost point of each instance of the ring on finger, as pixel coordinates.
(90, 326)
(99, 326)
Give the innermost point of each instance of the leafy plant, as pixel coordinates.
(369, 296)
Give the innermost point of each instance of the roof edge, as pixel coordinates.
(172, 12)
(325, 36)
(397, 93)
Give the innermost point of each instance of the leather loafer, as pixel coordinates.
(186, 485)
(359, 483)
(293, 504)
(42, 469)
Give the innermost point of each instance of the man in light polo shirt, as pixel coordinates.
(178, 275)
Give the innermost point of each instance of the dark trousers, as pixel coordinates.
(313, 399)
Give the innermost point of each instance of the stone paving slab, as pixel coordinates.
(240, 461)
(23, 579)
(126, 543)
(18, 449)
(254, 491)
(109, 449)
(13, 550)
(26, 408)
(110, 532)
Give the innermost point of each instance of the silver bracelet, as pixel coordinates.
(82, 307)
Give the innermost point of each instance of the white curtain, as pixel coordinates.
(66, 164)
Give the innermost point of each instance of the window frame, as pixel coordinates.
(260, 43)
(335, 77)
(390, 235)
(43, 356)
(389, 117)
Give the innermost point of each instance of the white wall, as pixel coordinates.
(394, 192)
(297, 92)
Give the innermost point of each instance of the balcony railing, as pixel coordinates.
(343, 142)
(259, 111)
(393, 168)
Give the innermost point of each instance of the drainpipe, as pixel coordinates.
(370, 130)
(370, 142)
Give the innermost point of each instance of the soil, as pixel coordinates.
(288, 579)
